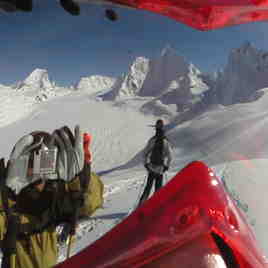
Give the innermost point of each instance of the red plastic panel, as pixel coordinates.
(192, 205)
(199, 253)
(205, 14)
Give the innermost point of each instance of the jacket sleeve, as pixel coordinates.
(68, 200)
(147, 150)
(93, 196)
(3, 219)
(3, 225)
(168, 153)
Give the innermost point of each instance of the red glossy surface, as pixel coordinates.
(176, 221)
(202, 252)
(86, 143)
(205, 14)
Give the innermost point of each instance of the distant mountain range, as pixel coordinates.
(173, 84)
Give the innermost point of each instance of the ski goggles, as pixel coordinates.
(44, 162)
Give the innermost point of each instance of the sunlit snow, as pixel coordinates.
(231, 139)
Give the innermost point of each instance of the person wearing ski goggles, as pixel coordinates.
(47, 182)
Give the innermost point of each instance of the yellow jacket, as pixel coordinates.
(40, 250)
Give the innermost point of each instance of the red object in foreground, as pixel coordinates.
(86, 143)
(205, 14)
(187, 223)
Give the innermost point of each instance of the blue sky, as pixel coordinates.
(71, 47)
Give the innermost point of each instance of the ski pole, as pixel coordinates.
(139, 196)
(72, 231)
(165, 178)
(71, 235)
(13, 261)
(69, 244)
(142, 187)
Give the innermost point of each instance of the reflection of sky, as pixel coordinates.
(71, 47)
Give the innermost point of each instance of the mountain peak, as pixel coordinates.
(38, 78)
(95, 83)
(246, 49)
(139, 66)
(246, 45)
(130, 83)
(246, 71)
(168, 50)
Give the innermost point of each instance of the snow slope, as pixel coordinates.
(14, 105)
(116, 137)
(95, 84)
(131, 83)
(232, 140)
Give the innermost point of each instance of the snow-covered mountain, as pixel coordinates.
(154, 77)
(130, 84)
(183, 93)
(175, 84)
(232, 141)
(233, 145)
(37, 79)
(171, 83)
(163, 70)
(39, 87)
(245, 72)
(179, 87)
(95, 84)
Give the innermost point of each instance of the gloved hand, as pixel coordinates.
(71, 152)
(165, 168)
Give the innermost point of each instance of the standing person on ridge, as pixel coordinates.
(157, 158)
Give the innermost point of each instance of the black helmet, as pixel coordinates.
(159, 128)
(159, 124)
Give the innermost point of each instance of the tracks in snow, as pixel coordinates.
(92, 228)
